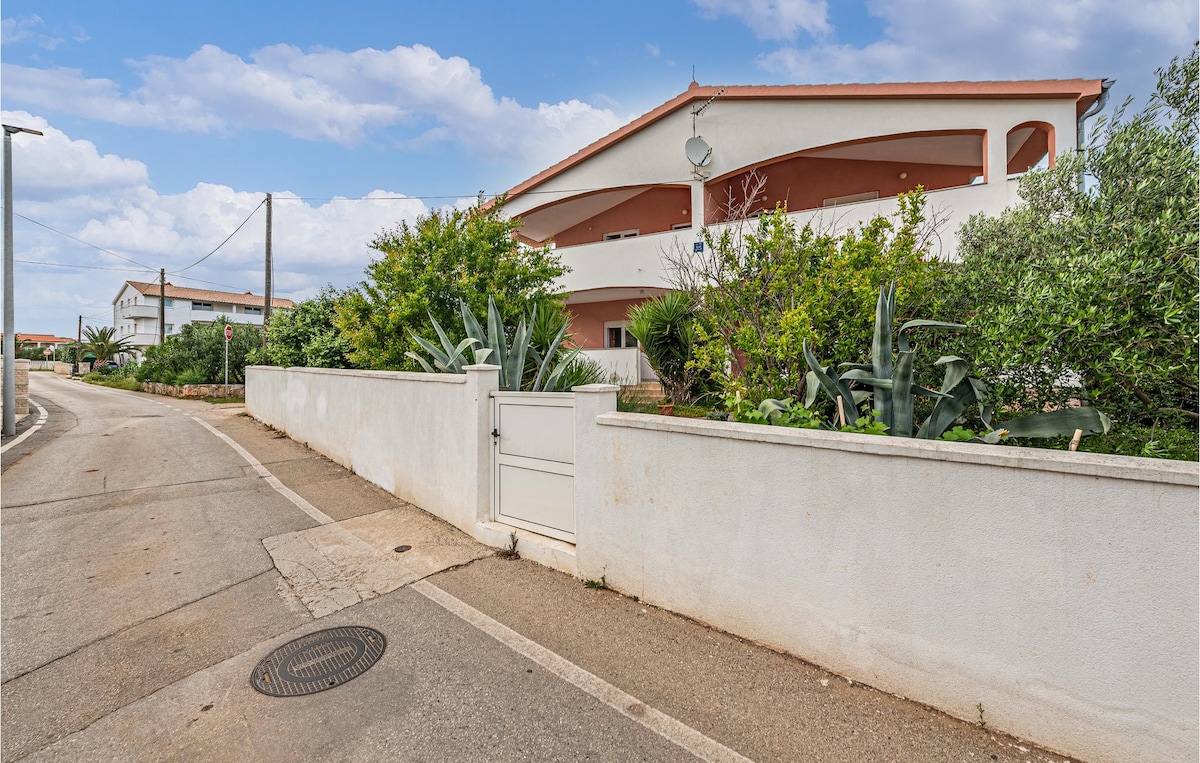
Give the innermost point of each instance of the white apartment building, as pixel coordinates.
(834, 155)
(135, 310)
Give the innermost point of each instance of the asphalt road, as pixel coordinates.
(137, 597)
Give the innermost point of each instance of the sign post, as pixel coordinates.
(228, 336)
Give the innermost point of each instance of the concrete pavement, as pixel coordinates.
(137, 598)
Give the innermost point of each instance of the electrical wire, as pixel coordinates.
(223, 243)
(84, 267)
(81, 241)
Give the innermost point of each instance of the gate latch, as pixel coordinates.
(496, 433)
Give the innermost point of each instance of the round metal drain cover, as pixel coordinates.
(318, 661)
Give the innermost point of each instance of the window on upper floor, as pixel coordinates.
(205, 306)
(168, 302)
(620, 234)
(252, 310)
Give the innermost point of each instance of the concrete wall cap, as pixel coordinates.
(596, 388)
(418, 376)
(1040, 459)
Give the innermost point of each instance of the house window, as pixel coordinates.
(681, 226)
(616, 334)
(620, 234)
(170, 328)
(252, 310)
(205, 306)
(168, 303)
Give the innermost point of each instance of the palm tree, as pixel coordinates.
(102, 343)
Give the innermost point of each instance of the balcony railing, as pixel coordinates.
(138, 311)
(638, 261)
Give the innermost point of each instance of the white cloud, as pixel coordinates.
(653, 49)
(108, 201)
(322, 94)
(773, 19)
(54, 164)
(15, 30)
(1020, 39)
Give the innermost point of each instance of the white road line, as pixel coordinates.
(41, 420)
(626, 704)
(318, 515)
(263, 472)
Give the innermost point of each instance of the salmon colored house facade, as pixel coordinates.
(834, 155)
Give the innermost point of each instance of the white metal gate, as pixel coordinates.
(533, 458)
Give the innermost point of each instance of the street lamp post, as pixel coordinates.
(10, 344)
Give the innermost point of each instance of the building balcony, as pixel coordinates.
(626, 262)
(140, 340)
(138, 311)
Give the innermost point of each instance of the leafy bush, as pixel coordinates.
(765, 288)
(1097, 283)
(117, 382)
(427, 268)
(191, 376)
(306, 335)
(199, 350)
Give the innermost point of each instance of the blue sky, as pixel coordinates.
(166, 123)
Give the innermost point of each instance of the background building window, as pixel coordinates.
(206, 306)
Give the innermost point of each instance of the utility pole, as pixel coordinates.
(10, 338)
(162, 305)
(78, 347)
(267, 288)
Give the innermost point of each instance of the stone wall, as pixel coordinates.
(195, 390)
(62, 368)
(21, 377)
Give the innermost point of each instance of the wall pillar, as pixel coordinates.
(482, 381)
(697, 205)
(591, 401)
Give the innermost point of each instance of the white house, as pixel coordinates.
(835, 154)
(135, 310)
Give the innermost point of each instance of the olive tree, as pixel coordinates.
(1096, 282)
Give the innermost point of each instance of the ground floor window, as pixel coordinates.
(616, 334)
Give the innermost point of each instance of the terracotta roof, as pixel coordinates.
(206, 295)
(40, 338)
(1083, 91)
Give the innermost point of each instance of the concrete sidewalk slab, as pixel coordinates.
(338, 565)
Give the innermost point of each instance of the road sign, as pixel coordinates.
(47, 352)
(228, 332)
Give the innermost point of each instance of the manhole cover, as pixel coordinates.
(318, 661)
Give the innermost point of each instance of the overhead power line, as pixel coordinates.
(81, 241)
(223, 243)
(84, 267)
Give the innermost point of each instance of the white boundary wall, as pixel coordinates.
(419, 436)
(1059, 590)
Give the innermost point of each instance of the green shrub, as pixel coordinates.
(200, 348)
(425, 270)
(117, 382)
(763, 288)
(192, 376)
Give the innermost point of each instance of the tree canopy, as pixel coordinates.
(427, 267)
(1097, 281)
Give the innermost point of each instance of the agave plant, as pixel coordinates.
(492, 346)
(887, 382)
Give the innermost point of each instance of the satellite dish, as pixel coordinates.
(698, 151)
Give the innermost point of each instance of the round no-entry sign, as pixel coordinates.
(47, 352)
(228, 332)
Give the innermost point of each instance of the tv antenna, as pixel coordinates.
(699, 111)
